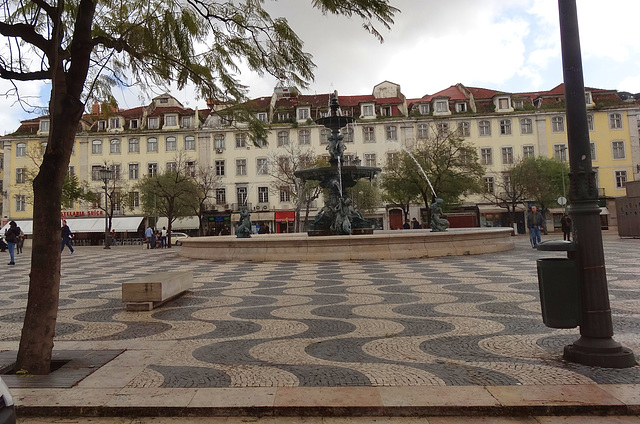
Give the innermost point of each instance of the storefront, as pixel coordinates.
(285, 221)
(257, 219)
(497, 216)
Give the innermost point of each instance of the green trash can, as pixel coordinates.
(559, 292)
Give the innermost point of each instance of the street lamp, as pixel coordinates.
(596, 346)
(105, 175)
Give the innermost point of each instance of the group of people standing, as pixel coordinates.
(156, 239)
(535, 224)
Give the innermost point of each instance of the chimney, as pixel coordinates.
(95, 109)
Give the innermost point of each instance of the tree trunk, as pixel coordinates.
(38, 331)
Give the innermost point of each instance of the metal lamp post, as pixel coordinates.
(596, 346)
(106, 174)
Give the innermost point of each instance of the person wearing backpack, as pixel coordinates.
(11, 235)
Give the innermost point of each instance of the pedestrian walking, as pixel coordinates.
(11, 235)
(565, 222)
(66, 237)
(535, 221)
(163, 237)
(148, 233)
(20, 242)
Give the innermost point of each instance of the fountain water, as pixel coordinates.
(419, 166)
(338, 216)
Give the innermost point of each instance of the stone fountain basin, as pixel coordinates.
(381, 245)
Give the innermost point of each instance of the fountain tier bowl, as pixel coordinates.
(381, 245)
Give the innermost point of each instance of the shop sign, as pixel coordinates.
(82, 213)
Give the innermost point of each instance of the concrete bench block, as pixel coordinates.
(150, 291)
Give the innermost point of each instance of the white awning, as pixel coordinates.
(88, 225)
(184, 223)
(497, 209)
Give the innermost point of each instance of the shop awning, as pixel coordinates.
(497, 209)
(120, 224)
(285, 216)
(255, 216)
(183, 223)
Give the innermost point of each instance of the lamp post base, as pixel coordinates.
(599, 352)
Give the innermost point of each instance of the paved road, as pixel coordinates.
(458, 321)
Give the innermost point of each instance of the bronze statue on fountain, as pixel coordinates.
(338, 216)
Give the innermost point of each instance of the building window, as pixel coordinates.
(102, 125)
(21, 150)
(117, 171)
(153, 123)
(347, 134)
(261, 142)
(615, 121)
(486, 157)
(392, 132)
(190, 143)
(220, 168)
(114, 123)
(21, 203)
(618, 149)
(526, 126)
(218, 141)
(557, 124)
(44, 125)
(593, 151)
(171, 144)
(263, 194)
(505, 127)
(185, 122)
(96, 147)
(241, 194)
(385, 110)
(464, 128)
(442, 106)
(171, 121)
(370, 159)
(283, 116)
(518, 104)
(152, 169)
(503, 103)
(590, 122)
(95, 172)
(261, 166)
(303, 114)
(423, 131)
(528, 151)
(134, 199)
(507, 155)
(262, 117)
(560, 152)
(304, 137)
(285, 196)
(461, 107)
(221, 196)
(114, 147)
(424, 108)
(190, 168)
(484, 127)
(152, 144)
(324, 136)
(367, 110)
(241, 167)
(133, 124)
(241, 140)
(171, 167)
(21, 175)
(133, 171)
(442, 128)
(283, 138)
(621, 179)
(134, 145)
(392, 159)
(488, 185)
(369, 134)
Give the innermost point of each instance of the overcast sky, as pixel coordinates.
(507, 45)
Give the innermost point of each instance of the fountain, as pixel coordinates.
(340, 233)
(338, 216)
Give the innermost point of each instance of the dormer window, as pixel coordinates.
(303, 113)
(102, 125)
(171, 120)
(153, 123)
(133, 124)
(114, 123)
(185, 122)
(367, 110)
(503, 103)
(385, 110)
(461, 107)
(518, 104)
(262, 117)
(442, 106)
(424, 109)
(44, 125)
(164, 100)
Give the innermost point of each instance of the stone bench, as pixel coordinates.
(151, 291)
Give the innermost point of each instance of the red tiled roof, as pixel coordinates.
(483, 93)
(159, 111)
(452, 92)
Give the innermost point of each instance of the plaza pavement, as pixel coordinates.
(429, 337)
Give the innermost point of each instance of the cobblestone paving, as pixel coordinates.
(472, 320)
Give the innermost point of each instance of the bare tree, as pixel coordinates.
(507, 189)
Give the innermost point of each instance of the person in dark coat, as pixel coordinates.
(66, 234)
(11, 235)
(565, 222)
